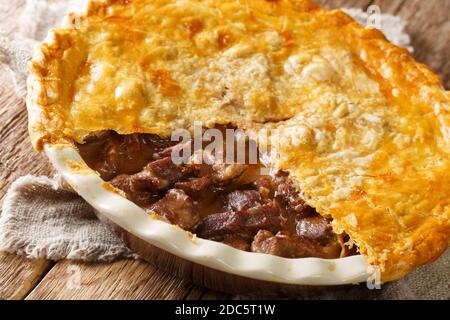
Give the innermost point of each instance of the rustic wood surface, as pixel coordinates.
(20, 278)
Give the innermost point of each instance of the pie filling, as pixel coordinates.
(238, 204)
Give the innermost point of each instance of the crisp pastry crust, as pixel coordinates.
(361, 127)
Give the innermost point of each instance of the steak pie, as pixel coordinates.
(358, 156)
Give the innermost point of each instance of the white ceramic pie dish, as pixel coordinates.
(145, 234)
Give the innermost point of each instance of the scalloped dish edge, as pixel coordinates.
(305, 271)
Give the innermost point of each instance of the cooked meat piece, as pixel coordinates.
(155, 144)
(244, 222)
(317, 228)
(163, 173)
(243, 199)
(108, 162)
(178, 208)
(208, 164)
(226, 172)
(290, 198)
(264, 185)
(132, 190)
(118, 151)
(177, 151)
(237, 242)
(281, 187)
(248, 177)
(291, 246)
(194, 185)
(156, 176)
(111, 154)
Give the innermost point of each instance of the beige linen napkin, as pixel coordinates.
(43, 218)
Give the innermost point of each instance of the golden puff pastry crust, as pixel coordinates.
(362, 128)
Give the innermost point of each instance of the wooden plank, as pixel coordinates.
(124, 279)
(19, 275)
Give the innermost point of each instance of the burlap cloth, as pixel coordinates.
(43, 218)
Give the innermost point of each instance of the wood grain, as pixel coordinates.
(123, 279)
(429, 26)
(19, 275)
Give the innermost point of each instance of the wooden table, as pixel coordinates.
(21, 278)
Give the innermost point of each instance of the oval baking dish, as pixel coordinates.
(146, 234)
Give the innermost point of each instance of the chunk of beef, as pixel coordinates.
(317, 228)
(237, 242)
(205, 162)
(264, 185)
(155, 144)
(208, 164)
(178, 208)
(114, 152)
(226, 172)
(132, 190)
(243, 199)
(162, 174)
(120, 154)
(194, 185)
(290, 198)
(286, 245)
(177, 150)
(281, 187)
(244, 222)
(156, 176)
(109, 162)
